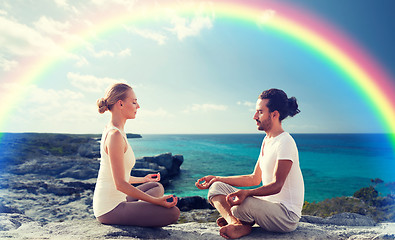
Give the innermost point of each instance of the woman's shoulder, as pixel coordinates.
(114, 134)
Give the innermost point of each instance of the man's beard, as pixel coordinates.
(265, 125)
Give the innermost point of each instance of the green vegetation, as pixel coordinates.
(366, 201)
(28, 145)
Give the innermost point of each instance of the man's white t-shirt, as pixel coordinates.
(283, 147)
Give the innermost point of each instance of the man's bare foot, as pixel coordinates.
(232, 231)
(221, 222)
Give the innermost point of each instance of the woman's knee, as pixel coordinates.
(155, 188)
(174, 214)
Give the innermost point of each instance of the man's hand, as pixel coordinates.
(237, 198)
(205, 182)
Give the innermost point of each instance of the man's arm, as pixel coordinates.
(252, 179)
(281, 173)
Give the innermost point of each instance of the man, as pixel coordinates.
(277, 204)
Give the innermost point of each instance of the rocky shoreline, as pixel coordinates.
(46, 190)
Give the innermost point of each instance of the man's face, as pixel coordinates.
(263, 116)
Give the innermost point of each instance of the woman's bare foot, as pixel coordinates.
(232, 231)
(221, 222)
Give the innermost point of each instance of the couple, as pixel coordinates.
(274, 206)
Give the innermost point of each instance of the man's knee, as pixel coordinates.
(244, 211)
(216, 185)
(215, 189)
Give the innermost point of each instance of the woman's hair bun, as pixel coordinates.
(102, 104)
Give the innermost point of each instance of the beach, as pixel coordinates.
(47, 183)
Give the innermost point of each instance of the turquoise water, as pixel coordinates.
(332, 164)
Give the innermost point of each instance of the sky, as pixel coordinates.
(192, 73)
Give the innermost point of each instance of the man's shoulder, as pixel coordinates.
(286, 138)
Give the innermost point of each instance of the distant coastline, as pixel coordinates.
(89, 135)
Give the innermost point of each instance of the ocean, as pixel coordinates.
(333, 165)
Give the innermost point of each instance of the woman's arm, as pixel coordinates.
(116, 148)
(148, 178)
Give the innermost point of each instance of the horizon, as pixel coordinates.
(198, 73)
(141, 134)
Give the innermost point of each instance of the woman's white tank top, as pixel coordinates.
(106, 197)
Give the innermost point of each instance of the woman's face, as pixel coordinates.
(130, 105)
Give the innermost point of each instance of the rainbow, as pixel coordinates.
(357, 67)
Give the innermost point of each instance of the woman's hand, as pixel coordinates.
(205, 182)
(168, 201)
(237, 197)
(152, 177)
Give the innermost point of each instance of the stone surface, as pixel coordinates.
(193, 202)
(344, 219)
(13, 226)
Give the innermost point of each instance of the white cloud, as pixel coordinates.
(205, 108)
(125, 52)
(183, 27)
(128, 4)
(50, 26)
(108, 53)
(20, 39)
(157, 37)
(89, 83)
(246, 103)
(56, 111)
(52, 98)
(65, 5)
(7, 65)
(103, 53)
(2, 12)
(62, 3)
(81, 61)
(266, 16)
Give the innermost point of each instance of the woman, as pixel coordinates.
(115, 200)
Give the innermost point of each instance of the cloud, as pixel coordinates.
(7, 65)
(250, 105)
(2, 12)
(65, 5)
(62, 3)
(81, 61)
(22, 40)
(125, 52)
(205, 108)
(108, 53)
(103, 53)
(56, 111)
(89, 83)
(50, 26)
(128, 4)
(183, 27)
(246, 103)
(266, 16)
(50, 97)
(157, 37)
